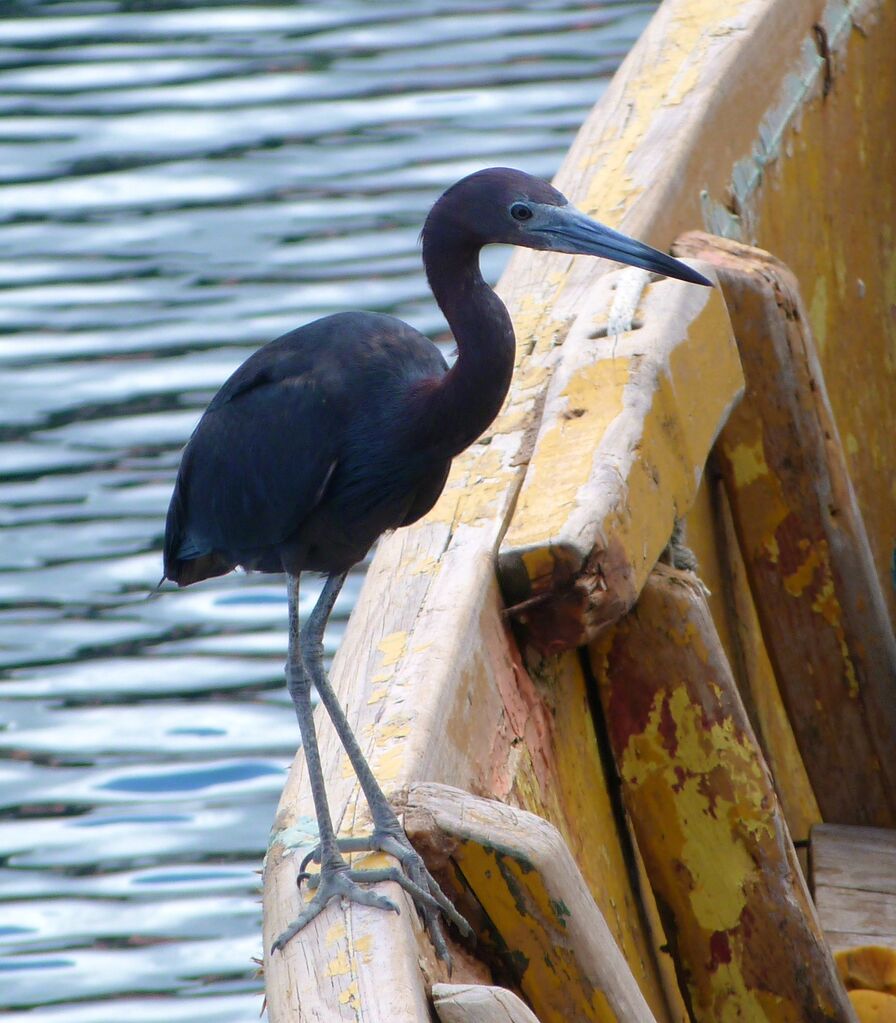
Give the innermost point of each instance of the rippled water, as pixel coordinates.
(177, 185)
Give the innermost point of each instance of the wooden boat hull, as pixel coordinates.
(767, 121)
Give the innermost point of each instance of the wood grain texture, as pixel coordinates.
(478, 1003)
(758, 686)
(825, 198)
(854, 857)
(803, 540)
(427, 669)
(853, 878)
(629, 420)
(723, 869)
(537, 914)
(854, 911)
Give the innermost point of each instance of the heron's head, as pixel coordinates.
(512, 208)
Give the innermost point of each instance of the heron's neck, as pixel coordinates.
(461, 405)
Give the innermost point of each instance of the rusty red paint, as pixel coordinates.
(681, 776)
(629, 705)
(719, 950)
(667, 727)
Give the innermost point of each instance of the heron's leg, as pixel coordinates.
(388, 834)
(313, 653)
(336, 880)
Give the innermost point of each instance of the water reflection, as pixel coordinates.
(178, 185)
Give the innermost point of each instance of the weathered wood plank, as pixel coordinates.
(558, 772)
(716, 847)
(823, 615)
(853, 878)
(854, 858)
(490, 730)
(646, 377)
(668, 130)
(522, 875)
(827, 138)
(759, 687)
(479, 1003)
(856, 911)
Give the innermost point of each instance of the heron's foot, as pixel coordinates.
(414, 877)
(337, 881)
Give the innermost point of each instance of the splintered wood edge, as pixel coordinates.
(549, 907)
(479, 1003)
(628, 423)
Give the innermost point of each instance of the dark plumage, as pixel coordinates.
(345, 428)
(306, 455)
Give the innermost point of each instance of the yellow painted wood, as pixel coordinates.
(715, 845)
(759, 689)
(873, 1006)
(804, 543)
(710, 535)
(827, 208)
(628, 423)
(702, 537)
(574, 796)
(654, 156)
(533, 913)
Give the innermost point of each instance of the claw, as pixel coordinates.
(414, 878)
(331, 884)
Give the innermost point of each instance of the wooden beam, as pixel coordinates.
(479, 1003)
(427, 670)
(739, 920)
(823, 615)
(535, 912)
(646, 377)
(758, 686)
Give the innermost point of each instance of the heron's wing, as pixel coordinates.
(258, 462)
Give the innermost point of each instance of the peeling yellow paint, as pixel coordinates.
(350, 995)
(578, 802)
(392, 647)
(339, 966)
(609, 164)
(565, 452)
(514, 897)
(748, 462)
(539, 564)
(804, 576)
(818, 311)
(844, 255)
(643, 426)
(718, 864)
(387, 764)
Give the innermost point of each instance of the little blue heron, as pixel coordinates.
(345, 428)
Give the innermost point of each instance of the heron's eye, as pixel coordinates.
(520, 211)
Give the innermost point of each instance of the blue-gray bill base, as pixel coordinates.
(345, 428)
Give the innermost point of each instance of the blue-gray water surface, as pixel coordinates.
(178, 184)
